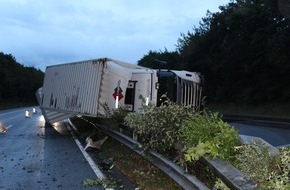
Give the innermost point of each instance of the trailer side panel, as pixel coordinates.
(73, 87)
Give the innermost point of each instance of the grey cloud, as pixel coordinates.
(42, 33)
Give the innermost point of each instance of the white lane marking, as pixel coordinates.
(9, 127)
(11, 112)
(7, 112)
(95, 168)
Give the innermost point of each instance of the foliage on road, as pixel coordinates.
(97, 182)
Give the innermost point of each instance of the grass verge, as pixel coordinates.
(136, 168)
(268, 110)
(140, 172)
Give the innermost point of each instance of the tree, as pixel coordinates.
(17, 82)
(153, 58)
(242, 52)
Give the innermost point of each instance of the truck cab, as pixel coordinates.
(148, 86)
(141, 89)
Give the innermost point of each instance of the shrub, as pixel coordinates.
(270, 172)
(113, 117)
(158, 127)
(206, 134)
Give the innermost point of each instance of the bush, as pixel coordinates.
(113, 117)
(206, 134)
(158, 127)
(270, 172)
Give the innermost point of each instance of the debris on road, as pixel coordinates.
(96, 145)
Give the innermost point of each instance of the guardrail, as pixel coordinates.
(231, 176)
(184, 179)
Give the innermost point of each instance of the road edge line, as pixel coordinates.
(9, 127)
(95, 168)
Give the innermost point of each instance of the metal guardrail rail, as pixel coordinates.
(231, 176)
(184, 179)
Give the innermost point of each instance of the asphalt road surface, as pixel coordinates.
(35, 157)
(274, 133)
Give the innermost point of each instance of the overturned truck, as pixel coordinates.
(84, 87)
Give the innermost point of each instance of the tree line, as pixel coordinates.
(242, 51)
(18, 83)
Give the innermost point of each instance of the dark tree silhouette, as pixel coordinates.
(242, 51)
(17, 82)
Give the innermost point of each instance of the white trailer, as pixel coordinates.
(83, 88)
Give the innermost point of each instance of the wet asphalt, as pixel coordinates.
(274, 133)
(36, 156)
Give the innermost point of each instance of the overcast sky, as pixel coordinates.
(47, 32)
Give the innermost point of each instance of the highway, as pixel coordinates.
(37, 157)
(274, 133)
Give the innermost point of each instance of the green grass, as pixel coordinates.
(281, 110)
(142, 173)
